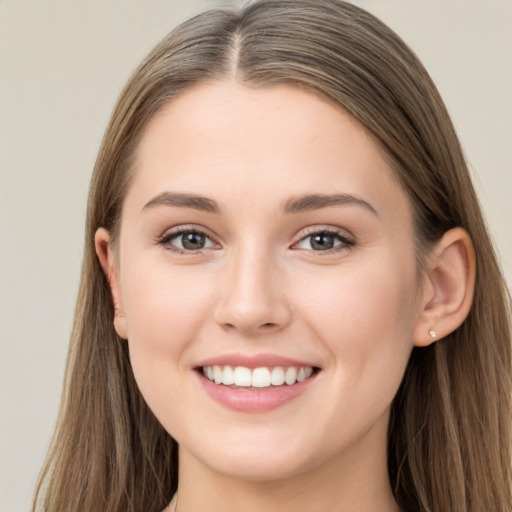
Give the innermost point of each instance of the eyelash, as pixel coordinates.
(346, 241)
(166, 239)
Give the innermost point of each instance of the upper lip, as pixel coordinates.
(253, 361)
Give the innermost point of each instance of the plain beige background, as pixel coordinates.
(62, 65)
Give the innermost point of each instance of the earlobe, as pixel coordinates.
(448, 288)
(107, 262)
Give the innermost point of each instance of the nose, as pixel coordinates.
(253, 298)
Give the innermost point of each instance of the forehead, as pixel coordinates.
(259, 145)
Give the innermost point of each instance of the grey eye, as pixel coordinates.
(190, 240)
(193, 240)
(322, 241)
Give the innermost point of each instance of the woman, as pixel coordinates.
(289, 300)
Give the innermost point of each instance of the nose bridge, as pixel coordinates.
(253, 299)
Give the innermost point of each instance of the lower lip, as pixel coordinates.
(254, 400)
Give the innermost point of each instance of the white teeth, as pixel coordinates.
(290, 375)
(304, 373)
(258, 377)
(229, 377)
(217, 374)
(242, 376)
(277, 378)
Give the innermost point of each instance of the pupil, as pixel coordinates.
(322, 242)
(193, 240)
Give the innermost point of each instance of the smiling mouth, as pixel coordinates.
(257, 378)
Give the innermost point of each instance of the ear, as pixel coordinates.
(448, 288)
(108, 264)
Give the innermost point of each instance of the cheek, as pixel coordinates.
(164, 307)
(365, 319)
(362, 298)
(365, 322)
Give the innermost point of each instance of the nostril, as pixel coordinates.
(268, 326)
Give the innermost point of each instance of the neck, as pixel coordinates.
(348, 482)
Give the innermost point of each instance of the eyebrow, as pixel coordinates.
(195, 202)
(293, 205)
(311, 202)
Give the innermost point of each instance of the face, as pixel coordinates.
(264, 238)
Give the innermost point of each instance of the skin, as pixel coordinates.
(259, 286)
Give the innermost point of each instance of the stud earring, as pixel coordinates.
(432, 333)
(116, 307)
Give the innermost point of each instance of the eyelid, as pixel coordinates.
(176, 231)
(348, 240)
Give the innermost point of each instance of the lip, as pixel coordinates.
(253, 361)
(254, 400)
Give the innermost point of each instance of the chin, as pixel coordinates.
(259, 469)
(258, 461)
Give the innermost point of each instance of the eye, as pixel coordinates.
(187, 240)
(324, 240)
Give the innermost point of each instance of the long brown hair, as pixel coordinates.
(450, 430)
